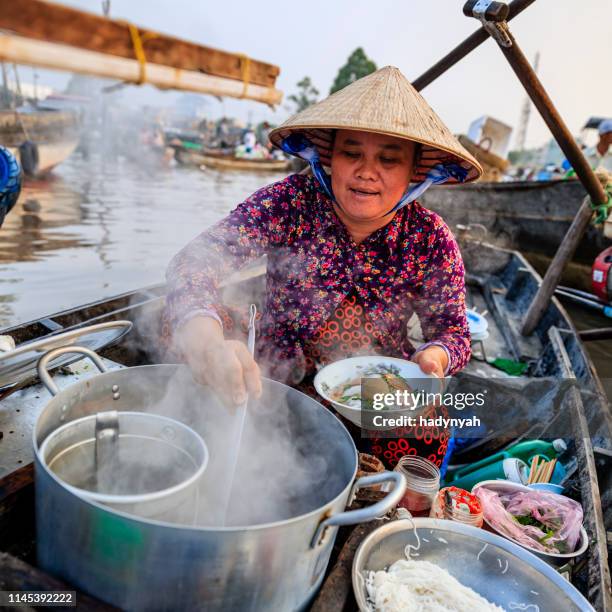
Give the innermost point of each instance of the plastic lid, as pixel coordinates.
(515, 470)
(477, 323)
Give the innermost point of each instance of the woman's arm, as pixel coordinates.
(441, 307)
(194, 274)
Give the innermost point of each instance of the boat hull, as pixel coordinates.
(56, 135)
(250, 165)
(529, 216)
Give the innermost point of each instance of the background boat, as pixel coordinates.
(529, 216)
(55, 134)
(231, 162)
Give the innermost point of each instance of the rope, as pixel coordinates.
(602, 210)
(138, 45)
(245, 64)
(23, 127)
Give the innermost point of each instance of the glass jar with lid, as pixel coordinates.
(457, 505)
(422, 484)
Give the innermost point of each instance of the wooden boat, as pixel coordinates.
(498, 280)
(55, 134)
(248, 165)
(195, 157)
(531, 217)
(528, 216)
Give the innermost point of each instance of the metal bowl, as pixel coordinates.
(555, 559)
(497, 569)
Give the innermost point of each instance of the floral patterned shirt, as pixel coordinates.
(412, 264)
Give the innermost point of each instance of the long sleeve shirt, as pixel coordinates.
(412, 264)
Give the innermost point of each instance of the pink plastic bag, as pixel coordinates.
(544, 521)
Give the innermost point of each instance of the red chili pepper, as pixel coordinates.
(463, 497)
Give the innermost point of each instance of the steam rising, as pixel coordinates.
(294, 456)
(287, 465)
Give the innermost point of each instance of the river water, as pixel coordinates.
(105, 225)
(98, 227)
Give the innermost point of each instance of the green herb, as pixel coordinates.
(530, 520)
(549, 534)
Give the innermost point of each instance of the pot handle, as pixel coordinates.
(363, 515)
(43, 372)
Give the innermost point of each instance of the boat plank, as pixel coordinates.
(16, 575)
(337, 589)
(599, 571)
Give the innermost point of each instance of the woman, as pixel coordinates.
(347, 252)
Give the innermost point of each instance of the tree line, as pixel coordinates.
(357, 66)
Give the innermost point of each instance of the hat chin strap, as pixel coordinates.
(439, 174)
(297, 144)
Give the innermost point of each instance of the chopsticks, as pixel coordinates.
(541, 471)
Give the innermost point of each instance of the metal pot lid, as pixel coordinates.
(19, 364)
(125, 457)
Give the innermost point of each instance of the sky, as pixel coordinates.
(315, 38)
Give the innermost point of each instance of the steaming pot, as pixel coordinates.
(146, 564)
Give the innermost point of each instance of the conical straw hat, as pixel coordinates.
(386, 103)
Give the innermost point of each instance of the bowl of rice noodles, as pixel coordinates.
(428, 565)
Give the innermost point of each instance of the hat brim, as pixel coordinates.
(430, 155)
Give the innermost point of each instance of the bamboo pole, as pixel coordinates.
(56, 23)
(472, 42)
(541, 100)
(62, 57)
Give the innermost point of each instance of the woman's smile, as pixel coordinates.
(365, 194)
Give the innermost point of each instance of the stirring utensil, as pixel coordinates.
(240, 417)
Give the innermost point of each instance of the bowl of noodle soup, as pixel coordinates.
(342, 383)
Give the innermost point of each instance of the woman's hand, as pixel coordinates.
(433, 360)
(224, 365)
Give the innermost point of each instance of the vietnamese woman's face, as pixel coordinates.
(370, 173)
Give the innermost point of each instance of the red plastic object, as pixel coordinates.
(601, 276)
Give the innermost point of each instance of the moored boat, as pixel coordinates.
(245, 164)
(54, 136)
(529, 216)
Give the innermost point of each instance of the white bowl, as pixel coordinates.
(335, 373)
(556, 559)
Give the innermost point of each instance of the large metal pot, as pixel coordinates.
(145, 564)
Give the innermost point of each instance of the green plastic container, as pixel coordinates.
(524, 451)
